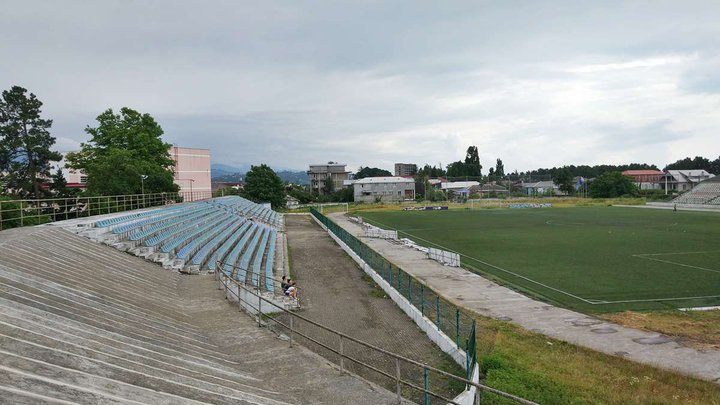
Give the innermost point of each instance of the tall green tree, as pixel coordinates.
(612, 184)
(499, 168)
(25, 142)
(263, 185)
(123, 148)
(472, 162)
(564, 179)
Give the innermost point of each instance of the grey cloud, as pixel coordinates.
(370, 83)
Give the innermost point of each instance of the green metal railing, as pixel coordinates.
(450, 319)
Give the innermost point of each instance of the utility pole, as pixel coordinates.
(142, 187)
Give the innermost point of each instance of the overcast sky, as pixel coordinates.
(537, 84)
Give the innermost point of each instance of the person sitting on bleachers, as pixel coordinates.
(284, 283)
(291, 291)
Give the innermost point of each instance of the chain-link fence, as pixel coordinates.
(455, 322)
(17, 213)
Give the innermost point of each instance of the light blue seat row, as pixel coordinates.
(160, 215)
(197, 243)
(269, 263)
(215, 244)
(139, 215)
(182, 238)
(178, 229)
(244, 264)
(222, 251)
(259, 253)
(232, 257)
(169, 224)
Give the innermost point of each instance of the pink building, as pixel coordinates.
(192, 172)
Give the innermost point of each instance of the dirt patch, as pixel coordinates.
(697, 329)
(338, 294)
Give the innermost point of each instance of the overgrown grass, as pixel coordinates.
(698, 329)
(375, 290)
(549, 371)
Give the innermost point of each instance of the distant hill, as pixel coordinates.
(219, 170)
(227, 173)
(295, 177)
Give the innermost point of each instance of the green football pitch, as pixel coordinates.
(594, 259)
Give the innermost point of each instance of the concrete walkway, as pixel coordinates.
(478, 294)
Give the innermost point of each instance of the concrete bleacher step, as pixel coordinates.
(131, 370)
(81, 322)
(33, 319)
(76, 379)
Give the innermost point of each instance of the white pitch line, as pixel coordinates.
(495, 267)
(676, 253)
(677, 264)
(655, 299)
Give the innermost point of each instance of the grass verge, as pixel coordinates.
(549, 371)
(375, 290)
(697, 329)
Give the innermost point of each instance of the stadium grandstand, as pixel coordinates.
(83, 323)
(705, 193)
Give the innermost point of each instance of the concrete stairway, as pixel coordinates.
(84, 323)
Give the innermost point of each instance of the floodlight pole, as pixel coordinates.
(142, 187)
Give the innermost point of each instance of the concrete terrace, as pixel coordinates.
(487, 298)
(81, 322)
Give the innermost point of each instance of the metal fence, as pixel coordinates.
(455, 322)
(409, 378)
(16, 213)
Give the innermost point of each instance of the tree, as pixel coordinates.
(123, 148)
(564, 179)
(499, 168)
(612, 184)
(263, 185)
(371, 172)
(25, 141)
(59, 186)
(303, 196)
(472, 162)
(715, 167)
(698, 163)
(328, 185)
(457, 169)
(431, 171)
(471, 156)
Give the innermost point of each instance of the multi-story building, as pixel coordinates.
(405, 169)
(371, 189)
(684, 180)
(646, 179)
(332, 171)
(192, 172)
